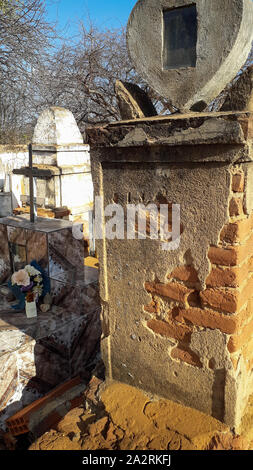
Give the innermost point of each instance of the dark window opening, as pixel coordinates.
(180, 37)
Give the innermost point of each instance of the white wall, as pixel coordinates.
(12, 156)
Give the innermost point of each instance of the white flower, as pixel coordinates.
(32, 271)
(21, 278)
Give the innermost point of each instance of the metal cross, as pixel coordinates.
(32, 186)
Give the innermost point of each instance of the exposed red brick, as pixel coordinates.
(18, 423)
(224, 256)
(227, 300)
(170, 330)
(209, 319)
(236, 342)
(223, 277)
(238, 183)
(237, 231)
(236, 207)
(228, 277)
(187, 356)
(224, 300)
(153, 307)
(173, 290)
(232, 255)
(185, 273)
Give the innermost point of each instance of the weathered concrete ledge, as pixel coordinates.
(193, 129)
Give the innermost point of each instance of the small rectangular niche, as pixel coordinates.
(180, 37)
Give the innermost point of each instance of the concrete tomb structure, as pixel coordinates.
(36, 354)
(63, 340)
(188, 51)
(178, 323)
(62, 161)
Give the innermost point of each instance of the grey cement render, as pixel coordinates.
(224, 41)
(131, 351)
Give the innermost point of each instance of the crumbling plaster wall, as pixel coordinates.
(161, 332)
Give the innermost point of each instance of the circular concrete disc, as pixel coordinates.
(224, 36)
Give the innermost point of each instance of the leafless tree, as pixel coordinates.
(25, 38)
(79, 74)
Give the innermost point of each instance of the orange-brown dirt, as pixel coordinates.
(119, 417)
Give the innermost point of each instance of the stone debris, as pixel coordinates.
(45, 308)
(240, 95)
(133, 101)
(125, 418)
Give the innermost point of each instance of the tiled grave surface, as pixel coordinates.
(38, 354)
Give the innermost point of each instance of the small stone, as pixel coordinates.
(45, 308)
(133, 101)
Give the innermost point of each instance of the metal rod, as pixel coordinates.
(32, 215)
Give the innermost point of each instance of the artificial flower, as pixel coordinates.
(30, 297)
(31, 270)
(27, 288)
(38, 290)
(21, 278)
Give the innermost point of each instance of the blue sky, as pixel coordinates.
(105, 13)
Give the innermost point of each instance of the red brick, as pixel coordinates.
(238, 183)
(227, 300)
(224, 300)
(25, 413)
(235, 207)
(173, 290)
(223, 277)
(187, 356)
(185, 273)
(237, 231)
(236, 342)
(170, 330)
(153, 307)
(224, 256)
(210, 319)
(231, 255)
(228, 277)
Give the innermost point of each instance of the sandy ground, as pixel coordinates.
(120, 417)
